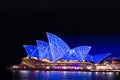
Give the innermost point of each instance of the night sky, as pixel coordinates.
(78, 22)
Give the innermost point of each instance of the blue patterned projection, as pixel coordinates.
(31, 51)
(73, 55)
(57, 49)
(97, 58)
(44, 50)
(89, 58)
(57, 46)
(81, 52)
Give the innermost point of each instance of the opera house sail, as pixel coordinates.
(58, 47)
(80, 52)
(97, 58)
(32, 51)
(43, 50)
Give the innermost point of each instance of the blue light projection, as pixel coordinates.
(72, 55)
(81, 52)
(57, 46)
(44, 50)
(31, 51)
(89, 58)
(98, 58)
(57, 49)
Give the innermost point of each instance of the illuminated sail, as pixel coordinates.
(44, 50)
(81, 52)
(31, 50)
(98, 58)
(57, 46)
(89, 58)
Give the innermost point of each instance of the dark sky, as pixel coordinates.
(77, 22)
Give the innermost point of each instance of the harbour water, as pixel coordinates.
(64, 75)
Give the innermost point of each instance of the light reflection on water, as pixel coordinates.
(64, 75)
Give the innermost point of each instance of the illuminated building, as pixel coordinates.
(56, 49)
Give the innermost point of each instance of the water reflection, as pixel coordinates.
(64, 75)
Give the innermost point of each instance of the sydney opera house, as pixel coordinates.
(56, 54)
(56, 49)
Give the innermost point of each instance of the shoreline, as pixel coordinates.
(68, 70)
